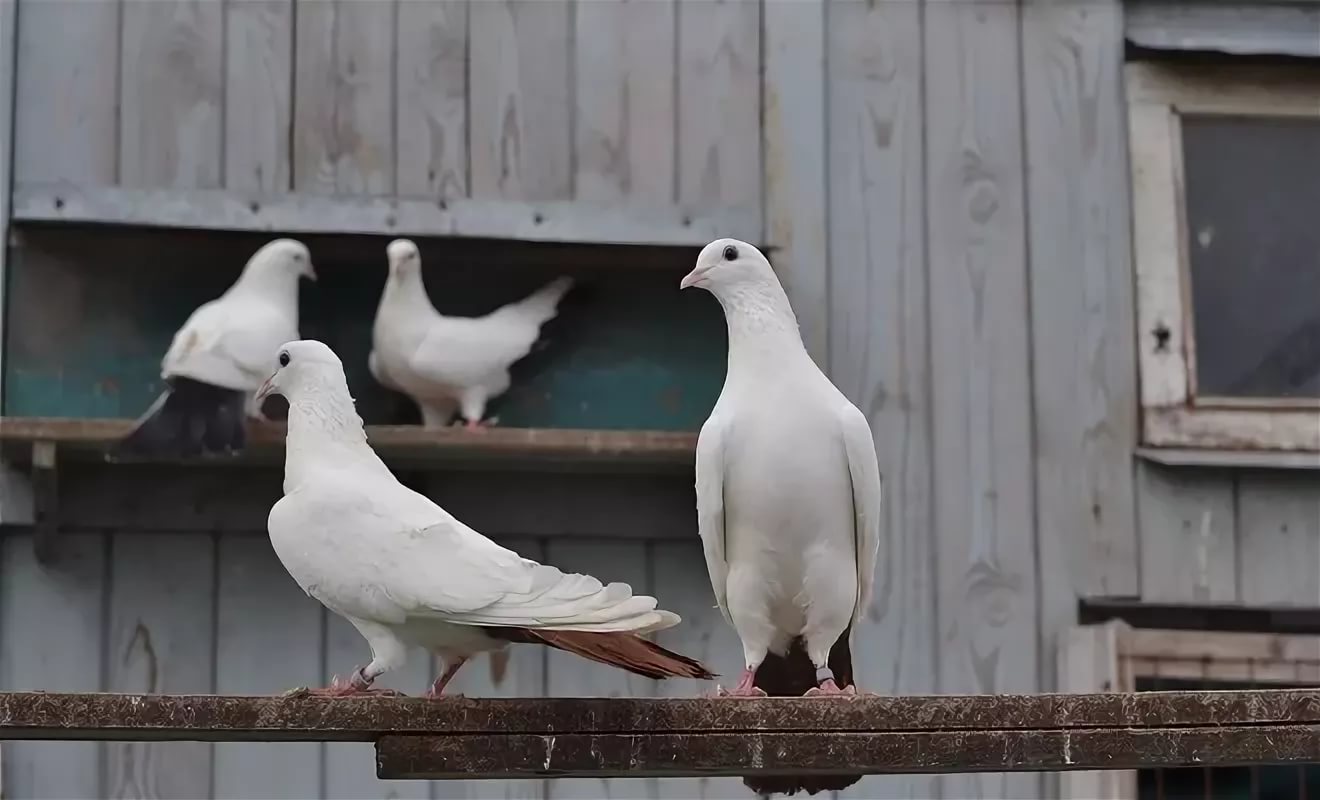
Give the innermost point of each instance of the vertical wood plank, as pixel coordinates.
(983, 474)
(162, 598)
(343, 116)
(1088, 661)
(1081, 302)
(350, 767)
(57, 650)
(625, 74)
(66, 127)
(432, 99)
(519, 672)
(521, 101)
(1279, 538)
(258, 94)
(1187, 533)
(268, 640)
(171, 94)
(568, 675)
(683, 586)
(795, 173)
(878, 332)
(719, 103)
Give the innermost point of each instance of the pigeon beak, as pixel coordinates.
(309, 272)
(264, 390)
(691, 278)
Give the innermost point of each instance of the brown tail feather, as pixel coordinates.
(791, 675)
(624, 650)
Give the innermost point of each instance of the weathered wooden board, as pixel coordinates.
(267, 640)
(626, 125)
(432, 119)
(343, 120)
(980, 350)
(568, 675)
(520, 99)
(50, 626)
(719, 102)
(67, 81)
(878, 332)
(171, 94)
(519, 672)
(1188, 534)
(1083, 366)
(258, 94)
(1278, 539)
(91, 316)
(161, 639)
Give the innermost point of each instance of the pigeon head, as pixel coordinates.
(282, 259)
(306, 368)
(724, 265)
(403, 257)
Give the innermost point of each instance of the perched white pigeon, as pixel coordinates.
(788, 497)
(444, 363)
(220, 356)
(404, 572)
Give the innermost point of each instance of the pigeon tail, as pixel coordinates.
(792, 675)
(190, 418)
(542, 305)
(624, 650)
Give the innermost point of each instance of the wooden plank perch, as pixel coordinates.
(609, 737)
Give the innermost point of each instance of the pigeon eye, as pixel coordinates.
(730, 253)
(284, 358)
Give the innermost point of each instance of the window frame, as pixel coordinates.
(1173, 414)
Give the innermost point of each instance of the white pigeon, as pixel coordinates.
(404, 572)
(220, 356)
(788, 495)
(444, 363)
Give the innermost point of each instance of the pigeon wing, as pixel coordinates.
(864, 471)
(710, 506)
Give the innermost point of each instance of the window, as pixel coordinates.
(1226, 223)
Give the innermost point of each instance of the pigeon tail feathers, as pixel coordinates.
(189, 418)
(792, 675)
(541, 306)
(626, 651)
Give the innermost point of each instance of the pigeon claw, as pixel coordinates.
(831, 689)
(745, 687)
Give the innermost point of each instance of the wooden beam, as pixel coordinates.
(88, 438)
(1245, 27)
(1223, 618)
(226, 210)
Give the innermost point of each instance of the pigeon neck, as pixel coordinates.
(407, 292)
(323, 428)
(760, 319)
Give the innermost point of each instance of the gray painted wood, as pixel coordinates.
(719, 107)
(343, 120)
(161, 639)
(76, 137)
(1084, 371)
(1188, 534)
(518, 672)
(980, 349)
(51, 637)
(625, 81)
(568, 675)
(1276, 27)
(431, 141)
(521, 101)
(1278, 539)
(258, 93)
(268, 640)
(171, 94)
(879, 332)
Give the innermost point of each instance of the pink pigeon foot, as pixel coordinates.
(441, 682)
(476, 425)
(355, 686)
(831, 689)
(744, 687)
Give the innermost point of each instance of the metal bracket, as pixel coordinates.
(45, 494)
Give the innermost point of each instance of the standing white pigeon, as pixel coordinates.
(788, 497)
(444, 363)
(404, 572)
(220, 356)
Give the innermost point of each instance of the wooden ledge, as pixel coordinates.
(87, 439)
(611, 737)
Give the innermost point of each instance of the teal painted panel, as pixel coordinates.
(92, 311)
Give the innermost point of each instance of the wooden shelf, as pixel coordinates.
(223, 210)
(1229, 459)
(87, 439)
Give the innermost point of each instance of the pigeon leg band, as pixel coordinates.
(824, 674)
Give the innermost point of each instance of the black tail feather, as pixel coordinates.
(792, 675)
(191, 418)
